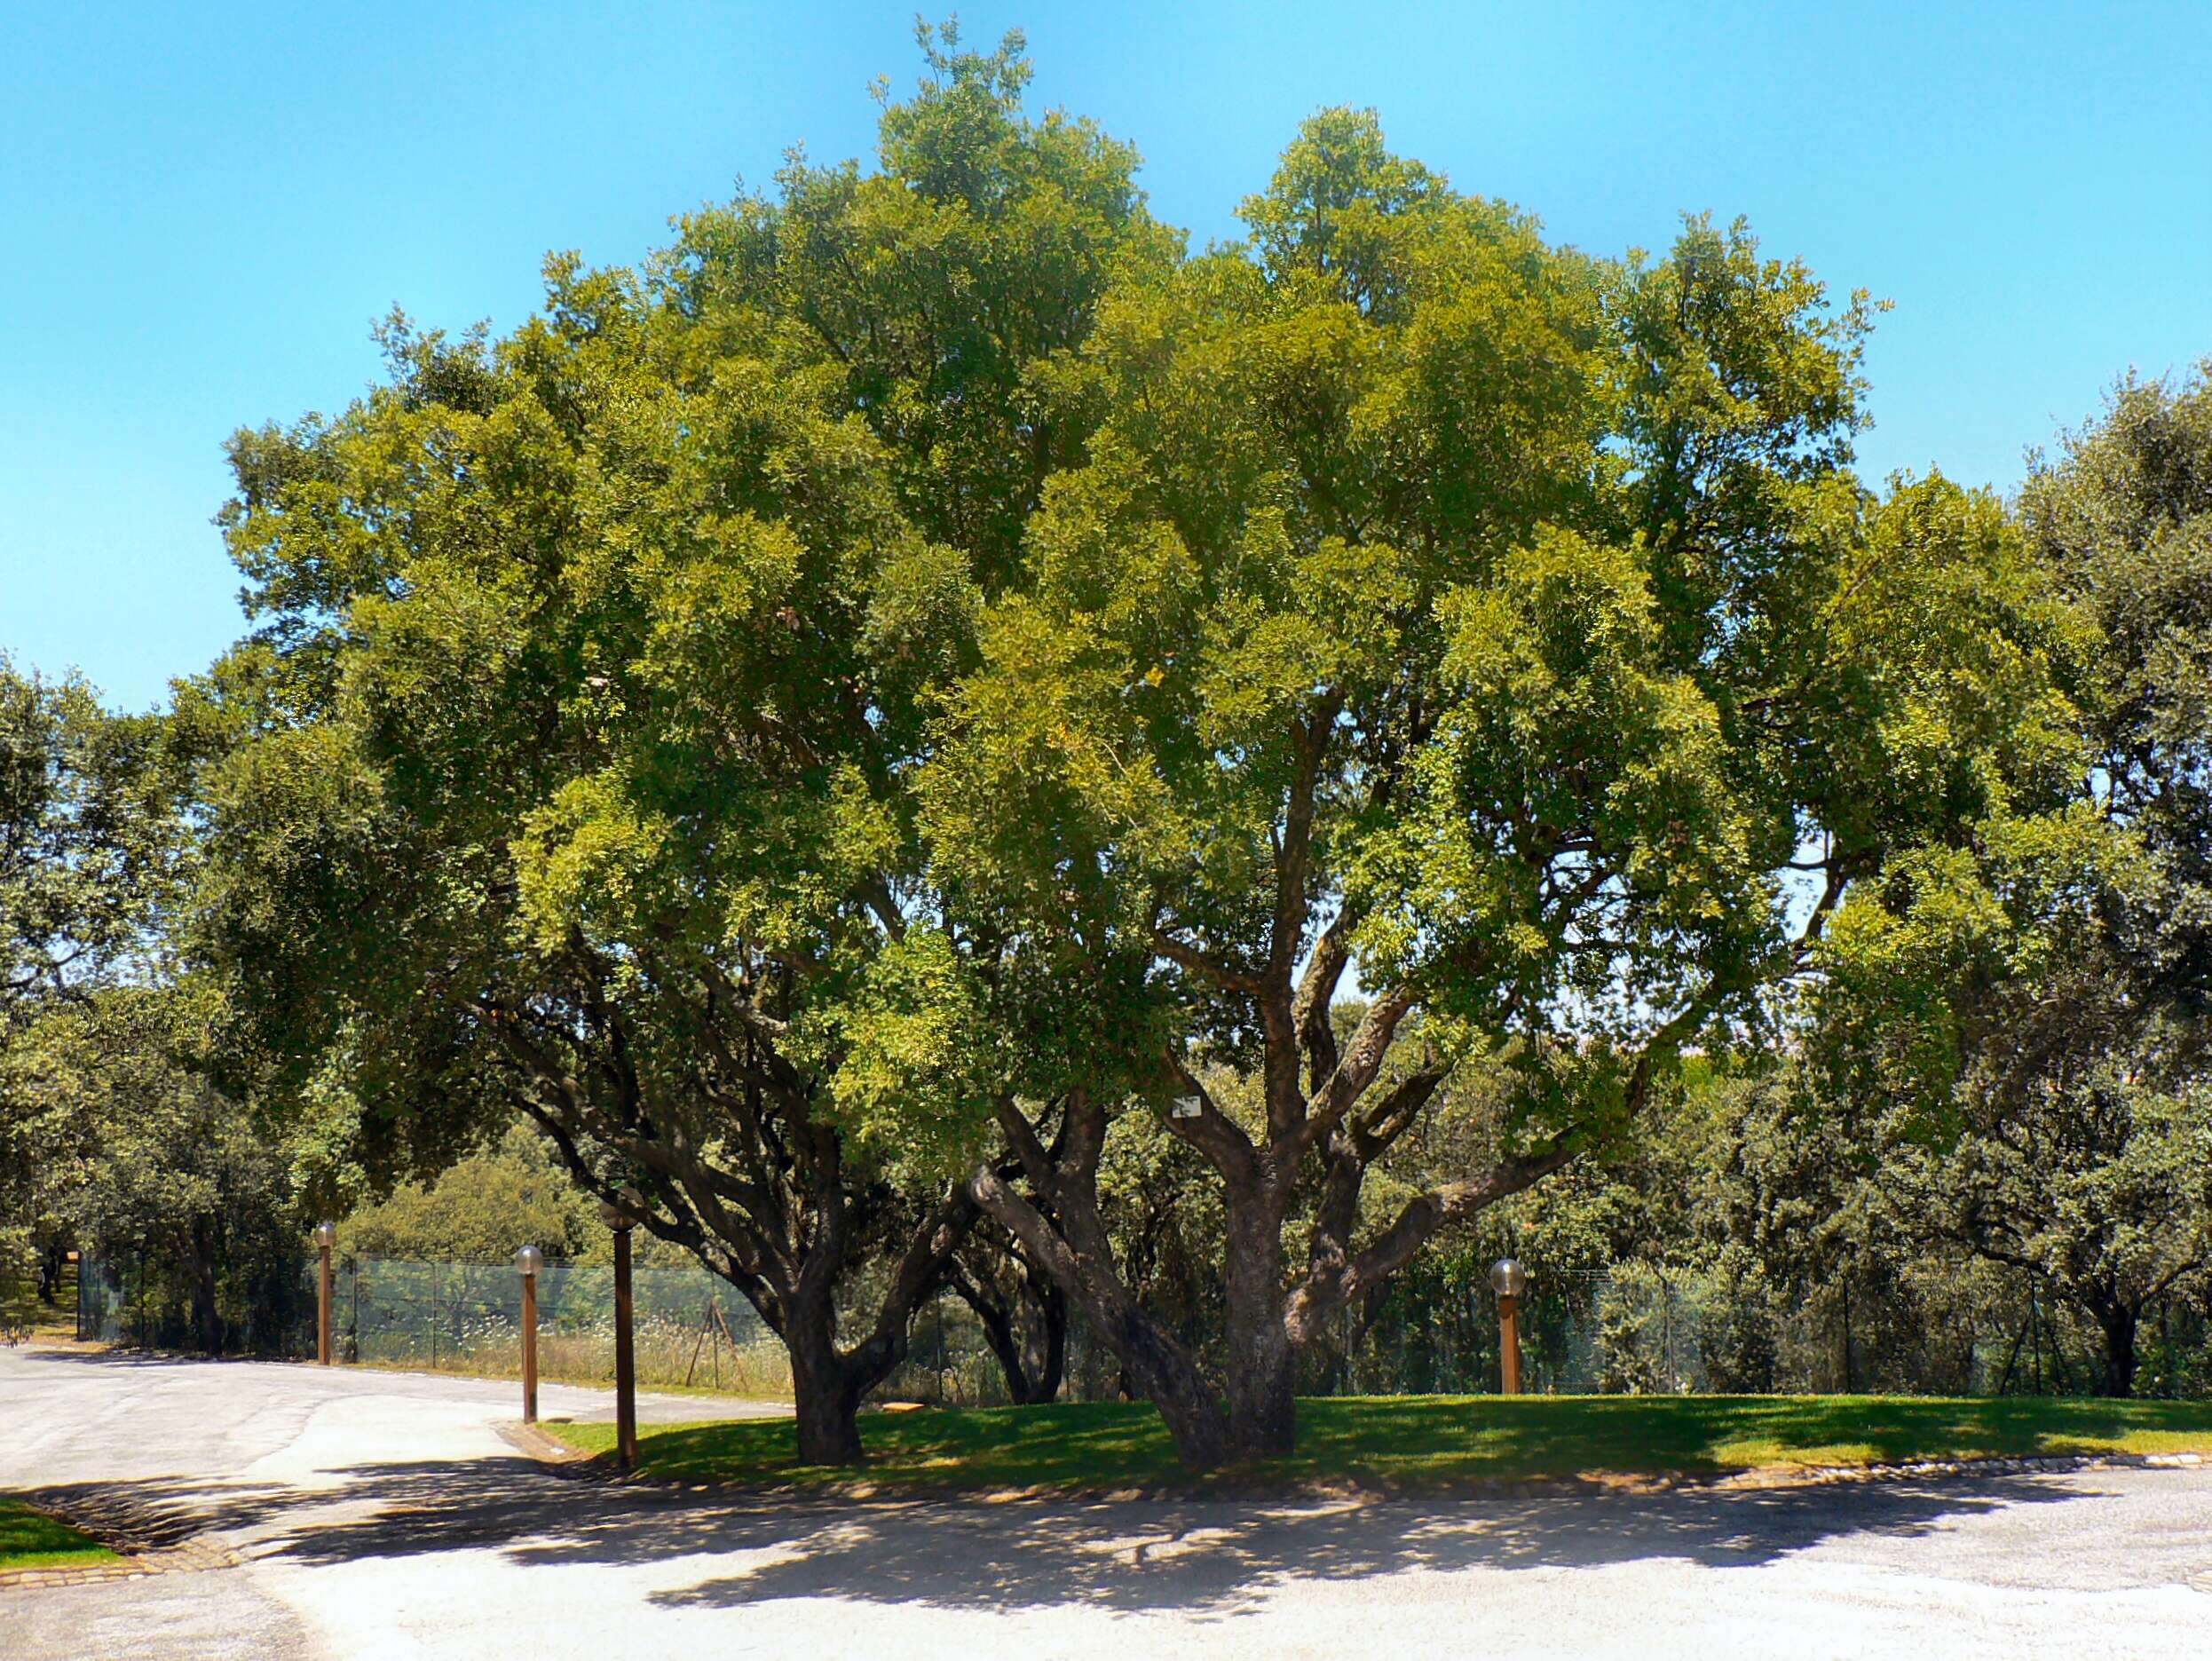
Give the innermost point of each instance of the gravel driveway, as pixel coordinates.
(360, 1514)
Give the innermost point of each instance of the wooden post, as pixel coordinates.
(625, 1358)
(326, 1236)
(529, 1350)
(1509, 1341)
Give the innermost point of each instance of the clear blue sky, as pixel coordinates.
(203, 207)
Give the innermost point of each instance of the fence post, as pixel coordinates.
(529, 1260)
(326, 1236)
(625, 1350)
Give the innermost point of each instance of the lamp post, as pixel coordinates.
(326, 1236)
(529, 1260)
(1509, 1280)
(625, 1350)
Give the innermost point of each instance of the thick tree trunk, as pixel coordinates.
(1165, 1375)
(1262, 1360)
(2119, 1326)
(1029, 1342)
(1049, 1358)
(207, 1317)
(825, 1394)
(1046, 1355)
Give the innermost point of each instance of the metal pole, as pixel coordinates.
(1509, 1341)
(625, 1358)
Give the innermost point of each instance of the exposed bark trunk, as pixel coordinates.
(207, 1317)
(53, 1257)
(2118, 1323)
(1024, 1317)
(826, 1391)
(1262, 1355)
(1079, 1255)
(773, 1208)
(1045, 1349)
(1167, 1376)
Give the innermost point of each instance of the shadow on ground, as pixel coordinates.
(1204, 1557)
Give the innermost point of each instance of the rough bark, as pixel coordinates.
(207, 1315)
(1024, 1313)
(825, 1389)
(1074, 1247)
(1262, 1378)
(2118, 1323)
(1341, 1104)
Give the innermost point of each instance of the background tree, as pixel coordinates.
(169, 1184)
(593, 665)
(2028, 1009)
(89, 843)
(480, 1208)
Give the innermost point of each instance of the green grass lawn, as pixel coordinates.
(1422, 1440)
(30, 1539)
(21, 1309)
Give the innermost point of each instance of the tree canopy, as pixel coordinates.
(596, 659)
(930, 737)
(1505, 623)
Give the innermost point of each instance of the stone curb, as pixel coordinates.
(545, 1449)
(1823, 1475)
(121, 1532)
(82, 1575)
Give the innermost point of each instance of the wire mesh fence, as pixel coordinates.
(693, 1330)
(1631, 1329)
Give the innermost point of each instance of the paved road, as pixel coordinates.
(381, 1516)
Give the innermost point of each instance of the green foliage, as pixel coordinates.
(2014, 1019)
(927, 655)
(91, 846)
(147, 1164)
(602, 645)
(1545, 577)
(86, 838)
(569, 771)
(480, 1210)
(2123, 520)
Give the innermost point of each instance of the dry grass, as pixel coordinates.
(669, 1357)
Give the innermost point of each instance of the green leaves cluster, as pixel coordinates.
(596, 660)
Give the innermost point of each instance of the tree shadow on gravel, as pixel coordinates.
(1205, 1557)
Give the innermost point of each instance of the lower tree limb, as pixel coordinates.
(1157, 1366)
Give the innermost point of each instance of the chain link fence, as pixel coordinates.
(1631, 1329)
(693, 1329)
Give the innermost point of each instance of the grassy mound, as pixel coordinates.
(1423, 1441)
(31, 1540)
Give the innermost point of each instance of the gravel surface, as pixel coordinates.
(381, 1514)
